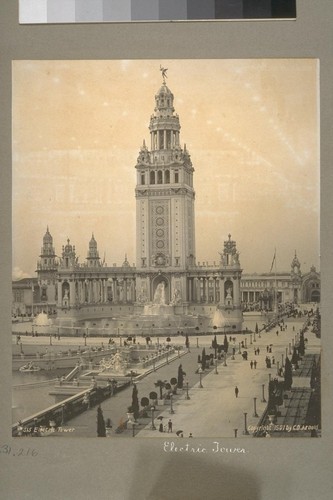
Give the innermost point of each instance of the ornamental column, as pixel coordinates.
(114, 290)
(59, 284)
(125, 291)
(214, 290)
(198, 290)
(222, 297)
(71, 292)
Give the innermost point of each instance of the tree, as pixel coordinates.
(144, 403)
(294, 358)
(168, 389)
(203, 359)
(214, 344)
(225, 343)
(174, 384)
(135, 402)
(100, 423)
(153, 396)
(160, 384)
(181, 374)
(288, 376)
(301, 346)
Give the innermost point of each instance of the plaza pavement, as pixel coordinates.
(214, 411)
(211, 411)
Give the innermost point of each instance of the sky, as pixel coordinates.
(251, 128)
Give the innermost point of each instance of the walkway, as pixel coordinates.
(212, 410)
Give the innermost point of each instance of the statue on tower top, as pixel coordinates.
(163, 71)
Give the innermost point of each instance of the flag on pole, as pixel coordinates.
(274, 257)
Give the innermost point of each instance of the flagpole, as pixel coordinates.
(276, 301)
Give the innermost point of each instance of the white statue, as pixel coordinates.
(159, 295)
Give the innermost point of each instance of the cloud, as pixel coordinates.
(18, 274)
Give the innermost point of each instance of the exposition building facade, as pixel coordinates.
(166, 288)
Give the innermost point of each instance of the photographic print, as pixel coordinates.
(166, 270)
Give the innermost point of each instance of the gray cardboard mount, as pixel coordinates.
(139, 469)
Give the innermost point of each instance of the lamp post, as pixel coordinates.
(245, 431)
(216, 372)
(133, 428)
(251, 338)
(239, 348)
(62, 414)
(255, 414)
(187, 396)
(200, 376)
(198, 342)
(263, 400)
(153, 428)
(254, 337)
(171, 407)
(225, 359)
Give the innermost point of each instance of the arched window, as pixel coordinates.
(159, 177)
(176, 176)
(152, 177)
(167, 177)
(142, 178)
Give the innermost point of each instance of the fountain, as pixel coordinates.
(114, 366)
(219, 320)
(42, 324)
(159, 306)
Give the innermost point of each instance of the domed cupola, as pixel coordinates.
(47, 239)
(126, 263)
(144, 157)
(93, 255)
(47, 261)
(47, 249)
(164, 101)
(68, 255)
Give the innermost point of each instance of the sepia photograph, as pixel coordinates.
(165, 249)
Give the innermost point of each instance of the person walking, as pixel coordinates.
(236, 391)
(170, 425)
(255, 364)
(251, 364)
